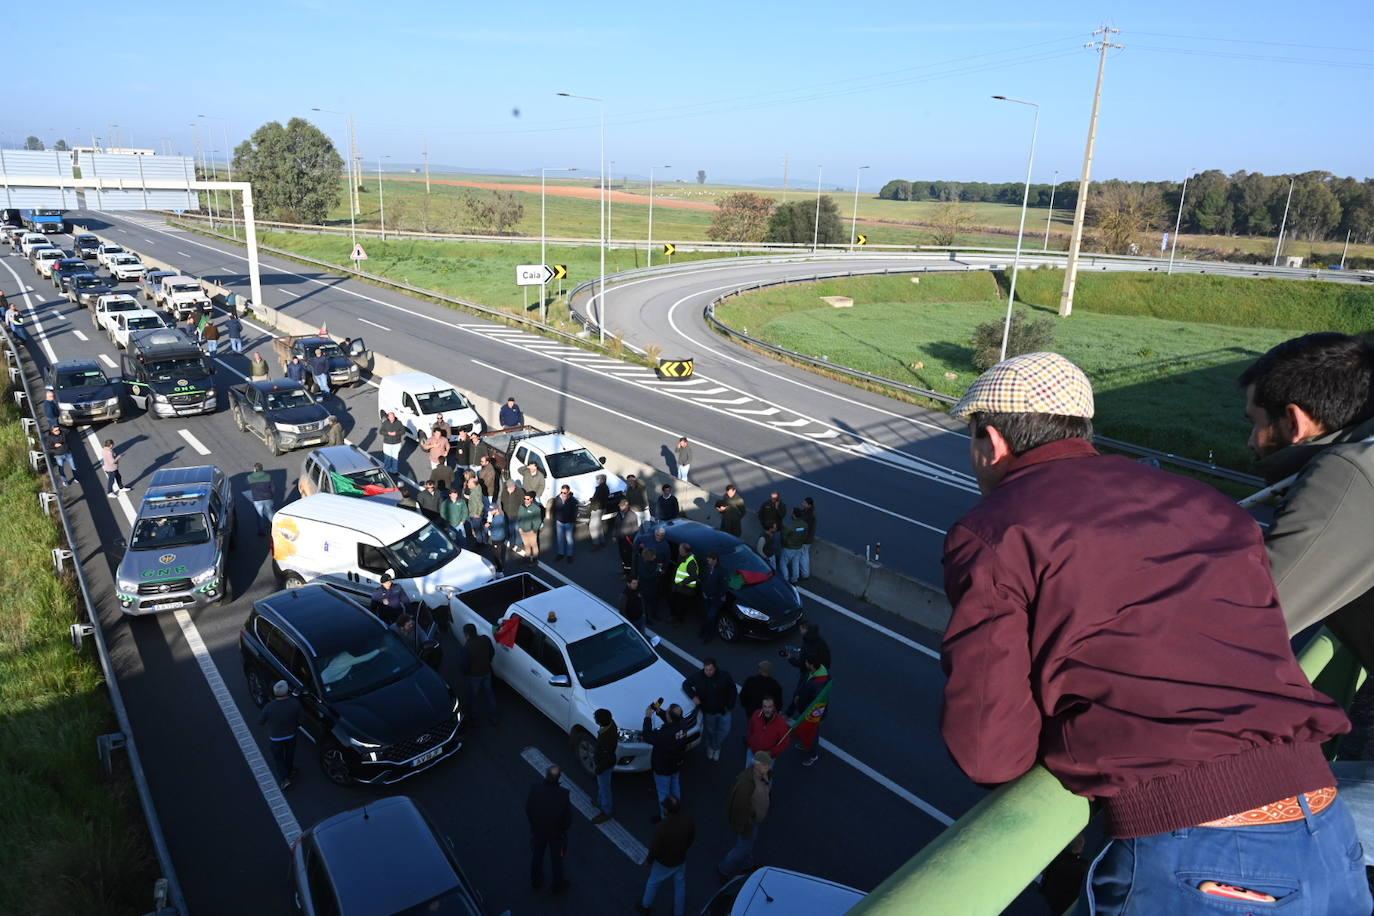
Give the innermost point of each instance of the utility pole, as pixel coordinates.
(1346, 249)
(784, 178)
(1076, 241)
(1046, 246)
(426, 155)
(1178, 223)
(1283, 227)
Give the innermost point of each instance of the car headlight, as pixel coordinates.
(112, 402)
(63, 405)
(630, 736)
(457, 706)
(288, 427)
(751, 613)
(160, 398)
(202, 578)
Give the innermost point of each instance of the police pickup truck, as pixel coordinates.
(345, 366)
(180, 539)
(283, 415)
(166, 374)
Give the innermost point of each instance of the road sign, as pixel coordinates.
(863, 239)
(670, 249)
(532, 274)
(560, 271)
(358, 253)
(675, 368)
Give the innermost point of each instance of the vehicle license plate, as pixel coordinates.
(426, 757)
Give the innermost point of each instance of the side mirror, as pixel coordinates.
(561, 680)
(655, 640)
(602, 459)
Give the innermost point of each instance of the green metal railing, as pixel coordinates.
(986, 858)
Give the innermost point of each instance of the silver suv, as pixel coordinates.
(346, 470)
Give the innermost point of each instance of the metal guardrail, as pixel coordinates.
(174, 903)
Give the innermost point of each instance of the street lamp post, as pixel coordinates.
(651, 213)
(1178, 222)
(601, 284)
(1025, 200)
(543, 242)
(204, 170)
(853, 217)
(1283, 227)
(1053, 188)
(229, 162)
(352, 179)
(381, 195)
(816, 230)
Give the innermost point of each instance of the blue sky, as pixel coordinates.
(728, 87)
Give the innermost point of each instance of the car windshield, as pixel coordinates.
(373, 476)
(421, 553)
(87, 240)
(283, 400)
(740, 557)
(144, 322)
(610, 656)
(113, 249)
(439, 401)
(166, 370)
(71, 264)
(170, 531)
(125, 259)
(185, 288)
(122, 305)
(380, 659)
(80, 378)
(85, 281)
(572, 464)
(326, 349)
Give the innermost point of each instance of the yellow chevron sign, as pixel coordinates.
(863, 240)
(560, 271)
(675, 368)
(669, 249)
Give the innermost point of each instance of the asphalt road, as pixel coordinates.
(884, 786)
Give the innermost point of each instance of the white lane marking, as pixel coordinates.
(612, 830)
(761, 412)
(789, 423)
(118, 229)
(149, 241)
(29, 288)
(109, 362)
(79, 336)
(183, 254)
(194, 442)
(374, 324)
(56, 316)
(98, 459)
(700, 391)
(859, 618)
(740, 400)
(715, 448)
(906, 796)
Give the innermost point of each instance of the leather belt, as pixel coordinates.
(1283, 811)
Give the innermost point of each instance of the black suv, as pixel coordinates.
(376, 713)
(85, 245)
(65, 269)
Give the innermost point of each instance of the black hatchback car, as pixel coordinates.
(760, 605)
(376, 713)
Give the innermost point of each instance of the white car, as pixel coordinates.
(45, 258)
(126, 267)
(770, 890)
(420, 399)
(31, 240)
(572, 655)
(121, 324)
(107, 251)
(107, 307)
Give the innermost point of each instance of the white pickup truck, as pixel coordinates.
(573, 654)
(558, 456)
(420, 399)
(182, 296)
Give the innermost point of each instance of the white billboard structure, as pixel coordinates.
(117, 181)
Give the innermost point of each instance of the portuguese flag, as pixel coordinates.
(806, 728)
(506, 633)
(345, 487)
(743, 578)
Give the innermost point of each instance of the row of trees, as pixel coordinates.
(748, 217)
(1243, 203)
(33, 143)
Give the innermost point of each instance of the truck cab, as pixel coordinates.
(182, 296)
(420, 400)
(558, 456)
(283, 415)
(166, 374)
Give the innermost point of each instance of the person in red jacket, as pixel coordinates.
(767, 731)
(1119, 624)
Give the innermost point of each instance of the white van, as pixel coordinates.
(361, 539)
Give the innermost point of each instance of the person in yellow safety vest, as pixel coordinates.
(685, 582)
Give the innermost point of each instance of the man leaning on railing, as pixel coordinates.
(1119, 624)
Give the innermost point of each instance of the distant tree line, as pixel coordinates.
(1244, 203)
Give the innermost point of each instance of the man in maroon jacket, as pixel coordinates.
(1119, 625)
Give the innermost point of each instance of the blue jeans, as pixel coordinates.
(714, 729)
(564, 530)
(1355, 779)
(1312, 866)
(284, 756)
(63, 460)
(658, 875)
(236, 344)
(263, 508)
(322, 382)
(665, 786)
(481, 686)
(739, 855)
(604, 802)
(805, 561)
(391, 458)
(791, 564)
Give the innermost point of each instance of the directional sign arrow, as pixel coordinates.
(532, 274)
(863, 240)
(560, 271)
(669, 249)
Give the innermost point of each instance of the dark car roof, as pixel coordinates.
(368, 848)
(277, 384)
(703, 539)
(329, 620)
(69, 365)
(312, 342)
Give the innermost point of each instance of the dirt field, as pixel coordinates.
(563, 190)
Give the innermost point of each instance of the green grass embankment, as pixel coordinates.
(71, 840)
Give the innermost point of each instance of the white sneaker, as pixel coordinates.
(111, 495)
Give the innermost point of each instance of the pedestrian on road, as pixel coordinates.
(257, 368)
(442, 477)
(13, 321)
(625, 526)
(686, 583)
(233, 330)
(282, 716)
(684, 458)
(511, 414)
(319, 368)
(489, 475)
(296, 370)
(745, 809)
(549, 811)
(730, 519)
(638, 497)
(808, 510)
(813, 648)
(61, 456)
(512, 501)
(713, 692)
(109, 463)
(263, 495)
(632, 605)
(530, 521)
(767, 731)
(532, 479)
(773, 512)
(477, 511)
(770, 547)
(736, 501)
(441, 426)
(598, 505)
(673, 838)
(393, 434)
(436, 447)
(497, 537)
(50, 409)
(454, 510)
(210, 333)
(565, 523)
(404, 628)
(389, 600)
(478, 653)
(603, 763)
(757, 686)
(202, 323)
(666, 507)
(793, 543)
(407, 500)
(648, 572)
(669, 742)
(429, 498)
(462, 449)
(714, 591)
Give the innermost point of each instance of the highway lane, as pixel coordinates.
(885, 713)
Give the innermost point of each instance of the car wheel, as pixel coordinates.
(585, 745)
(334, 763)
(291, 580)
(238, 420)
(256, 688)
(727, 628)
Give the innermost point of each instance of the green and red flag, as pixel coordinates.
(807, 726)
(343, 486)
(743, 578)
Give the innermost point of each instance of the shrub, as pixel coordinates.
(1027, 335)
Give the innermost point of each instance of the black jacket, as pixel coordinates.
(607, 740)
(717, 694)
(388, 603)
(601, 496)
(282, 716)
(549, 810)
(672, 839)
(756, 688)
(477, 656)
(648, 571)
(770, 514)
(632, 603)
(565, 510)
(669, 742)
(667, 508)
(814, 648)
(429, 501)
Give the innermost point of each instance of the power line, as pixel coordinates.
(1256, 41)
(1263, 58)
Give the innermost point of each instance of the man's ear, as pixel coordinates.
(1001, 451)
(1298, 425)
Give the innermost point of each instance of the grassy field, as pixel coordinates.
(1163, 355)
(71, 841)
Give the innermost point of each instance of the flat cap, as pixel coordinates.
(1031, 383)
